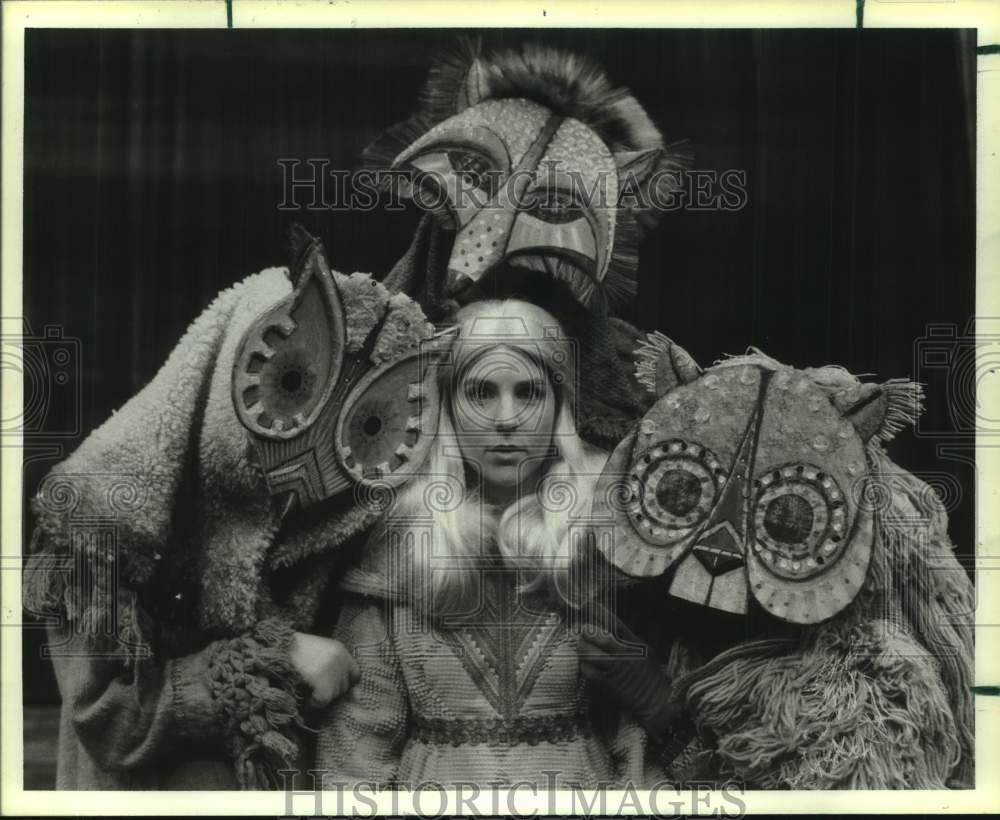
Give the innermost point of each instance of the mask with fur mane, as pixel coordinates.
(536, 161)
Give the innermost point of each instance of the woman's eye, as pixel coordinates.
(529, 392)
(478, 392)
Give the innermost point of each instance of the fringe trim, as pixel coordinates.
(918, 583)
(905, 403)
(110, 615)
(855, 707)
(257, 692)
(661, 364)
(648, 355)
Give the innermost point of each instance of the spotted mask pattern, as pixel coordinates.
(522, 185)
(748, 481)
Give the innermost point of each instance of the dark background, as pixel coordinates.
(151, 182)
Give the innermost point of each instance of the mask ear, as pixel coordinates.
(661, 365)
(882, 410)
(475, 88)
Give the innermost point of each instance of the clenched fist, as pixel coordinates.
(326, 666)
(635, 683)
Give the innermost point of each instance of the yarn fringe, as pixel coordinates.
(877, 698)
(109, 615)
(647, 358)
(905, 400)
(257, 691)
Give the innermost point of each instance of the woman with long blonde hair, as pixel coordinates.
(457, 614)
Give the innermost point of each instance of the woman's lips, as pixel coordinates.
(505, 448)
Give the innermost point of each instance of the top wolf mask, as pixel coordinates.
(535, 161)
(751, 479)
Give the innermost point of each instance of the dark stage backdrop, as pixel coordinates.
(152, 182)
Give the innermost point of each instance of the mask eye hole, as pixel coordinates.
(789, 518)
(678, 491)
(799, 521)
(673, 488)
(553, 206)
(474, 169)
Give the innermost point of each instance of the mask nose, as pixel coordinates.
(713, 573)
(479, 246)
(720, 547)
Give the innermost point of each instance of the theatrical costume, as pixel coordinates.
(183, 542)
(176, 580)
(841, 654)
(226, 504)
(528, 154)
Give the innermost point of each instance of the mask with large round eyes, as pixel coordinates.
(673, 488)
(798, 521)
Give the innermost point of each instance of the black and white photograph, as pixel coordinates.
(473, 409)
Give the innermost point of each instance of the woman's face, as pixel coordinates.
(504, 411)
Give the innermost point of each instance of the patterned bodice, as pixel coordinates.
(511, 658)
(490, 696)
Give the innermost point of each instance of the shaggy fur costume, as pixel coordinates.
(158, 538)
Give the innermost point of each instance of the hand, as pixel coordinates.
(325, 665)
(609, 659)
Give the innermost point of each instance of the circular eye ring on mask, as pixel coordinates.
(673, 487)
(799, 521)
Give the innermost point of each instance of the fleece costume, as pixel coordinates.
(158, 546)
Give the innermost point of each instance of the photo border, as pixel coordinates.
(19, 15)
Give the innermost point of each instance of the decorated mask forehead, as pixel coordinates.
(748, 482)
(501, 130)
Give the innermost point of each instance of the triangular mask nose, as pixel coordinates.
(721, 546)
(713, 573)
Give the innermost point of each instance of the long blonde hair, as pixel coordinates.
(449, 525)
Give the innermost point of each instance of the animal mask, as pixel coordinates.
(537, 161)
(335, 383)
(750, 479)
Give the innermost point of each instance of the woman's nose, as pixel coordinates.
(506, 417)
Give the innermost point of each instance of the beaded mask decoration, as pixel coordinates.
(750, 479)
(535, 160)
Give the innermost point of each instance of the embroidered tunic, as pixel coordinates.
(494, 697)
